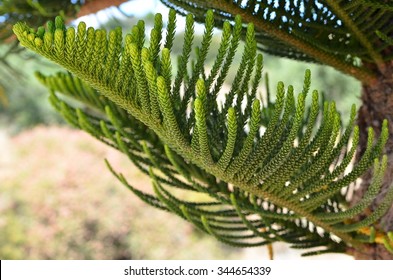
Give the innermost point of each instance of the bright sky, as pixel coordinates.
(139, 8)
(142, 7)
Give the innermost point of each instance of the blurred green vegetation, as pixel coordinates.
(25, 102)
(73, 208)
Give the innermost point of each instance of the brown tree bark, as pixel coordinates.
(377, 105)
(94, 6)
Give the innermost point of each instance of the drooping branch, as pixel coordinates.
(175, 130)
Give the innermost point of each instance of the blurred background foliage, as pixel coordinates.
(64, 204)
(57, 201)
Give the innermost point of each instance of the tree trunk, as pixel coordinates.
(377, 105)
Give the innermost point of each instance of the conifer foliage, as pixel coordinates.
(338, 33)
(248, 170)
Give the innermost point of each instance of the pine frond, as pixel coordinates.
(384, 37)
(336, 33)
(247, 172)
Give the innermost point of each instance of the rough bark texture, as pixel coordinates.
(377, 105)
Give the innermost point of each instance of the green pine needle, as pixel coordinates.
(247, 171)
